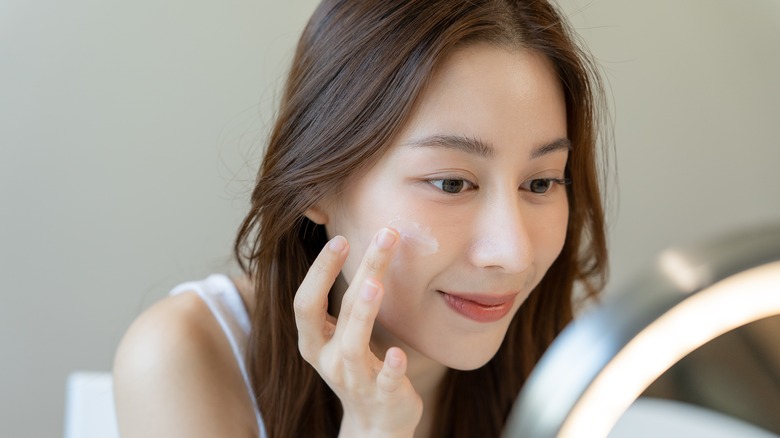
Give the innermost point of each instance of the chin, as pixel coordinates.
(468, 360)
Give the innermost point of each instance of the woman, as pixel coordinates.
(428, 199)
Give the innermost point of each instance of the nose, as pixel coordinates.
(502, 240)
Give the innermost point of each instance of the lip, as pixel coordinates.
(480, 307)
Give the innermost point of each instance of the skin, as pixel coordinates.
(390, 336)
(184, 383)
(497, 237)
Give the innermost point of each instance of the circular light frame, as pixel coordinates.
(608, 356)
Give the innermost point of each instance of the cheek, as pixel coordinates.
(550, 234)
(416, 262)
(416, 239)
(359, 224)
(414, 258)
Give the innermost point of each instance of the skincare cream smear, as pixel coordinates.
(416, 236)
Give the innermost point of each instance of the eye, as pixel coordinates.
(541, 186)
(451, 186)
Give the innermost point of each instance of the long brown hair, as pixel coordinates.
(358, 70)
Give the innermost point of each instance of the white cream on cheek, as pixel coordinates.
(416, 236)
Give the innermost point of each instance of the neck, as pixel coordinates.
(427, 382)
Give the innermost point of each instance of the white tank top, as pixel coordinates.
(224, 301)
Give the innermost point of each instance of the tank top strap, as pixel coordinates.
(223, 299)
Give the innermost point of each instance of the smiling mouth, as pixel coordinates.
(480, 307)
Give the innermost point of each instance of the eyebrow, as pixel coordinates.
(456, 142)
(478, 147)
(561, 144)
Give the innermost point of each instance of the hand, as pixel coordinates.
(377, 397)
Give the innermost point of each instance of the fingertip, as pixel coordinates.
(393, 371)
(395, 358)
(337, 244)
(386, 237)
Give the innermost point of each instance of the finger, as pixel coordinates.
(311, 299)
(354, 340)
(393, 373)
(378, 257)
(373, 265)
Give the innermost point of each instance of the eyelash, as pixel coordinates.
(441, 184)
(550, 183)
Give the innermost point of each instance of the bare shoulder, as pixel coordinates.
(174, 375)
(246, 289)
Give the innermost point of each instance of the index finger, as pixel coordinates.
(373, 266)
(311, 299)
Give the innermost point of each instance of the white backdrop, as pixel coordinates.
(130, 133)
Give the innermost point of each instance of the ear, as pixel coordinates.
(317, 215)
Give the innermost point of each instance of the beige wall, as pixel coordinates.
(129, 132)
(697, 127)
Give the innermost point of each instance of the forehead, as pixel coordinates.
(508, 100)
(500, 96)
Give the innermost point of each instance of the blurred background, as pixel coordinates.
(130, 133)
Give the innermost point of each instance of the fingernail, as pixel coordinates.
(386, 238)
(369, 291)
(337, 244)
(393, 360)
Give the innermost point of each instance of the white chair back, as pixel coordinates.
(89, 406)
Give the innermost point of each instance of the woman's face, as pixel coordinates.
(473, 185)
